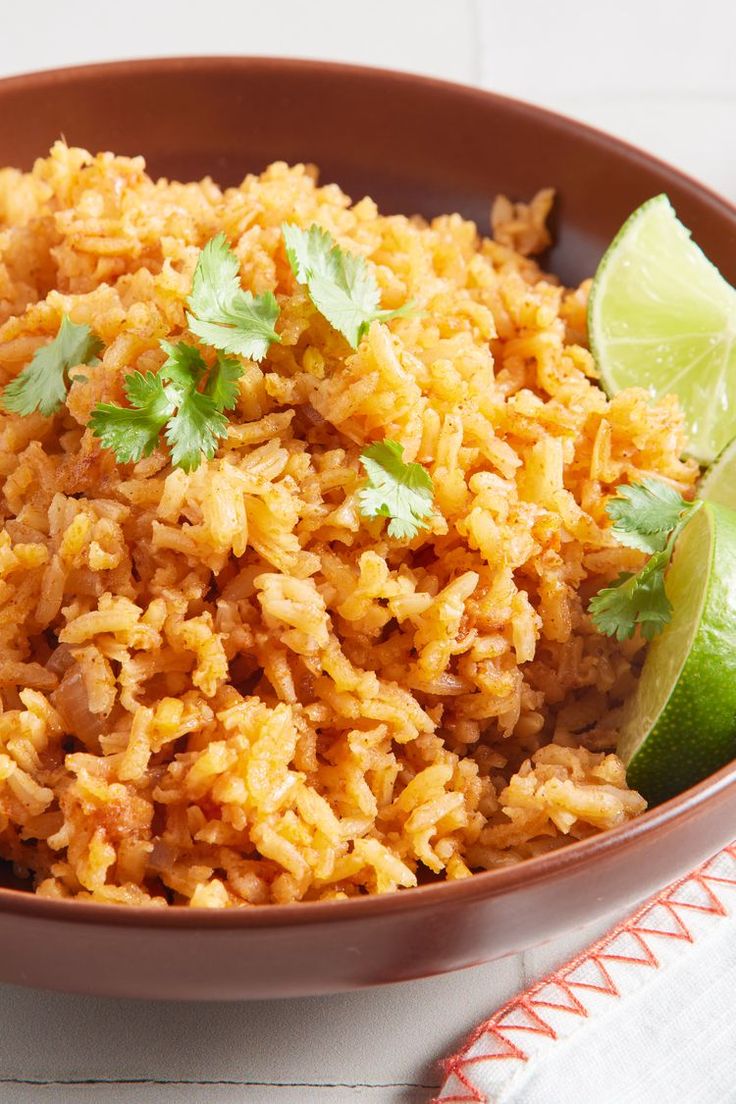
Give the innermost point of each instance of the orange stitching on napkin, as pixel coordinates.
(682, 932)
(715, 906)
(608, 987)
(648, 959)
(538, 1025)
(575, 1006)
(644, 923)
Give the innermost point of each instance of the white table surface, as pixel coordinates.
(657, 72)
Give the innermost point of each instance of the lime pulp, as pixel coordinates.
(662, 317)
(719, 482)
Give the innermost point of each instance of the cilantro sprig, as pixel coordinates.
(402, 492)
(648, 516)
(43, 383)
(341, 285)
(221, 313)
(185, 400)
(170, 401)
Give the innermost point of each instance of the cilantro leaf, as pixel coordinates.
(341, 285)
(632, 600)
(612, 608)
(222, 314)
(194, 429)
(169, 401)
(184, 364)
(645, 513)
(653, 607)
(42, 385)
(402, 492)
(649, 516)
(132, 432)
(310, 252)
(222, 384)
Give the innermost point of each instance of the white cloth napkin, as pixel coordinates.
(645, 1016)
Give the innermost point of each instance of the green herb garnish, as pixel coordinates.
(648, 516)
(341, 285)
(402, 492)
(170, 400)
(224, 316)
(43, 384)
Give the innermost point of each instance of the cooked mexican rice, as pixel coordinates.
(227, 687)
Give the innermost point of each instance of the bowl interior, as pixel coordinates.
(414, 145)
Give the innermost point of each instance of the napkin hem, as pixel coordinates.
(554, 1007)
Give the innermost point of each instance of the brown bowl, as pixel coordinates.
(415, 145)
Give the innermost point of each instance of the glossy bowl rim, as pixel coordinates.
(153, 65)
(579, 855)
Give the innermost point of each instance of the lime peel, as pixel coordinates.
(681, 723)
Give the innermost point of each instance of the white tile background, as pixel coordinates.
(660, 73)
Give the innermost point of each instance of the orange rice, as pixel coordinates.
(227, 688)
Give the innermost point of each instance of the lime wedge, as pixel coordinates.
(681, 722)
(661, 316)
(719, 482)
